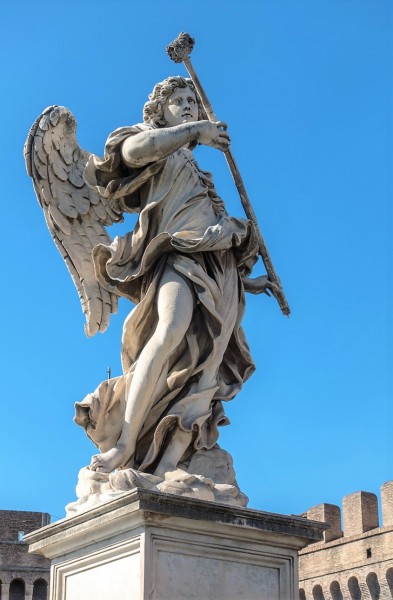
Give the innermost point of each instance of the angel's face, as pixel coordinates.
(181, 107)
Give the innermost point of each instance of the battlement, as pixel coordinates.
(22, 575)
(355, 559)
(359, 513)
(14, 523)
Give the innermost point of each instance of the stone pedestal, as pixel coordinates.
(148, 545)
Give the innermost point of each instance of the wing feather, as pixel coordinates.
(60, 169)
(40, 167)
(99, 212)
(39, 149)
(76, 215)
(75, 174)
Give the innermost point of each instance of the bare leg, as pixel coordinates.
(182, 439)
(175, 305)
(208, 380)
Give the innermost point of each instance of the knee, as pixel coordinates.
(168, 336)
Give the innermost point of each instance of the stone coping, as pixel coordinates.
(153, 504)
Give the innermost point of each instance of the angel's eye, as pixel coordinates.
(191, 100)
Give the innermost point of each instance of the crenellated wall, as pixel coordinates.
(355, 560)
(22, 575)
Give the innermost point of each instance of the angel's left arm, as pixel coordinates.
(260, 285)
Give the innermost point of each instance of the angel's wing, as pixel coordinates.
(75, 214)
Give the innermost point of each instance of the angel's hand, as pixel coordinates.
(213, 134)
(261, 285)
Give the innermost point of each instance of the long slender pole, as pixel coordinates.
(179, 51)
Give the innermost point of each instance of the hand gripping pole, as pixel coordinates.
(179, 51)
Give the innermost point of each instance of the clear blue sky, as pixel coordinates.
(306, 89)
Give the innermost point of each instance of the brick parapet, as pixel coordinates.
(359, 514)
(347, 553)
(359, 561)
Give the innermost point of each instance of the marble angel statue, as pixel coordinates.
(185, 266)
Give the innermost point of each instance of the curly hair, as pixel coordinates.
(153, 110)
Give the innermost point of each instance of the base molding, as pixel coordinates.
(148, 545)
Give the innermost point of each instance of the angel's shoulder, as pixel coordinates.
(117, 137)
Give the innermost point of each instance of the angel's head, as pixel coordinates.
(173, 101)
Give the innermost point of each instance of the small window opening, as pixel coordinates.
(20, 536)
(368, 553)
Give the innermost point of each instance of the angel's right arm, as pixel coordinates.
(154, 144)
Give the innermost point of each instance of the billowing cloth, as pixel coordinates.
(182, 223)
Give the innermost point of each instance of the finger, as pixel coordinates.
(224, 135)
(222, 145)
(222, 138)
(222, 125)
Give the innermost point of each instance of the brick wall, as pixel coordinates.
(15, 561)
(13, 521)
(355, 560)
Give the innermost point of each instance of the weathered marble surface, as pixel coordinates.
(209, 475)
(149, 545)
(186, 268)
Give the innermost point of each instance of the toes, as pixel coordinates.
(99, 468)
(95, 463)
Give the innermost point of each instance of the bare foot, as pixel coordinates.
(112, 459)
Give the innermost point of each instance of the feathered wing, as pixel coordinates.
(75, 214)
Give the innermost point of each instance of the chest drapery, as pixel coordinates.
(182, 223)
(179, 210)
